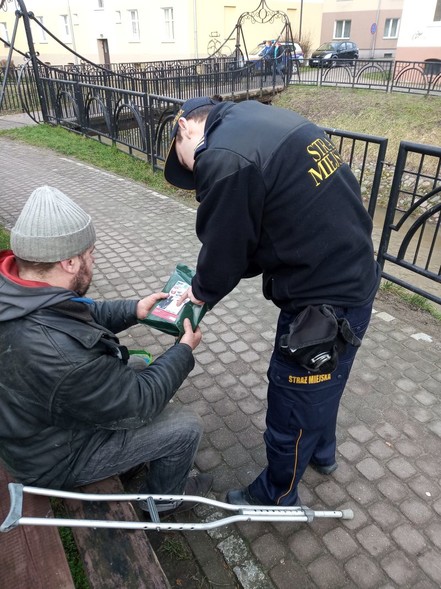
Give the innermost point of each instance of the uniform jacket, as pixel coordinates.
(276, 199)
(63, 385)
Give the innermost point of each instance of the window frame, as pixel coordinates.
(168, 24)
(4, 31)
(437, 13)
(135, 33)
(41, 32)
(388, 25)
(345, 24)
(66, 29)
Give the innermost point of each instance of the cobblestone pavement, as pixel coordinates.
(389, 436)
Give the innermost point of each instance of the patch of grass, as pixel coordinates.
(414, 300)
(70, 548)
(175, 548)
(396, 115)
(4, 239)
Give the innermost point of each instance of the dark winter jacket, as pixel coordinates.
(63, 385)
(276, 199)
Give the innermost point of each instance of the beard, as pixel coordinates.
(81, 282)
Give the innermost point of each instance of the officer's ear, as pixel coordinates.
(184, 127)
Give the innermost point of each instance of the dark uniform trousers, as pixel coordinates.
(302, 414)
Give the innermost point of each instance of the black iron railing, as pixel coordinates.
(413, 217)
(416, 77)
(141, 122)
(365, 154)
(230, 77)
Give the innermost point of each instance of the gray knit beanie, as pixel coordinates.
(51, 228)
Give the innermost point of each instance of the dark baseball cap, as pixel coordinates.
(173, 171)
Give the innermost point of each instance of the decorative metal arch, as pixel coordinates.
(120, 106)
(65, 102)
(92, 100)
(263, 14)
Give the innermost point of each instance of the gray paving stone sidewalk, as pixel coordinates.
(389, 437)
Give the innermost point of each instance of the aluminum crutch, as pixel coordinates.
(251, 513)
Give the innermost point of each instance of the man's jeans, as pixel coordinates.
(302, 414)
(169, 443)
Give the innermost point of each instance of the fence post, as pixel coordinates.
(9, 58)
(33, 57)
(78, 93)
(149, 104)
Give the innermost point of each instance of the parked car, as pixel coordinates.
(292, 49)
(328, 53)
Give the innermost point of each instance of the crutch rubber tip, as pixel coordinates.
(347, 514)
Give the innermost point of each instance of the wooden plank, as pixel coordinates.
(31, 557)
(114, 558)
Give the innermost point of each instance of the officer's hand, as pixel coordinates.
(145, 305)
(188, 294)
(190, 337)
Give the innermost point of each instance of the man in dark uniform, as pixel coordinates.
(276, 199)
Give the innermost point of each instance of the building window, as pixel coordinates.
(66, 33)
(100, 3)
(4, 32)
(118, 17)
(437, 15)
(391, 28)
(41, 32)
(169, 25)
(342, 29)
(134, 25)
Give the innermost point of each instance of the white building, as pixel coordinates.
(420, 31)
(111, 31)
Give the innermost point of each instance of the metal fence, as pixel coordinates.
(366, 155)
(229, 77)
(417, 77)
(182, 80)
(141, 123)
(413, 217)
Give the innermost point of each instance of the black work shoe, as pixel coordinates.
(199, 485)
(241, 497)
(324, 469)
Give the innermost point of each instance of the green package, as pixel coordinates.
(166, 315)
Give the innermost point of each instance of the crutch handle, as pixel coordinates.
(16, 507)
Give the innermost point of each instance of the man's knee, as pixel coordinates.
(184, 422)
(191, 421)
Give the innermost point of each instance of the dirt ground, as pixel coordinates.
(178, 561)
(419, 318)
(174, 552)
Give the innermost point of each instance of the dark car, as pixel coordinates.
(292, 49)
(328, 53)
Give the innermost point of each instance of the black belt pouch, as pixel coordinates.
(316, 338)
